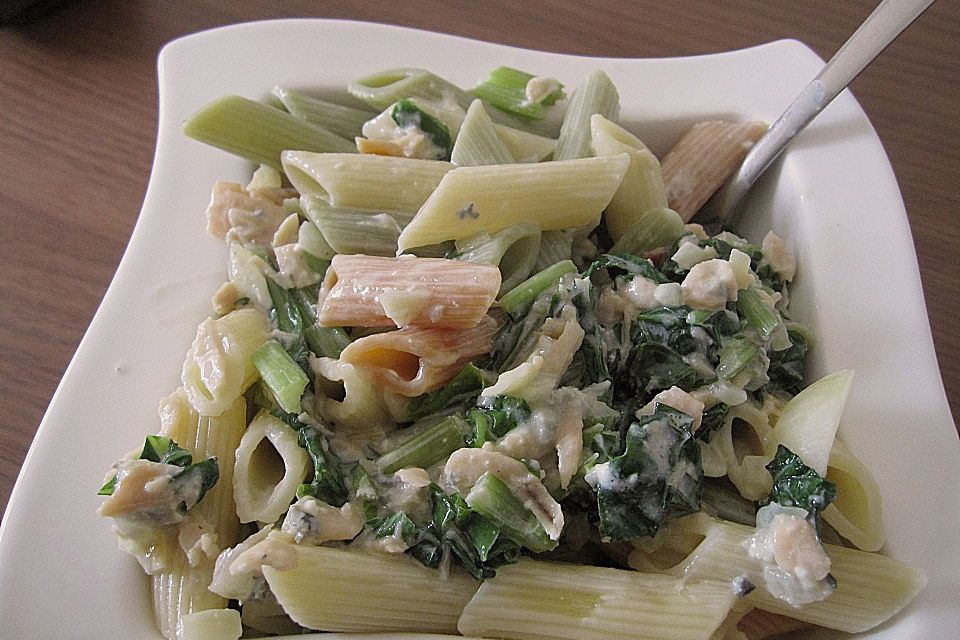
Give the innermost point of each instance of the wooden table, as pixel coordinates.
(78, 113)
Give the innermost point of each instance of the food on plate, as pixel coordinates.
(470, 375)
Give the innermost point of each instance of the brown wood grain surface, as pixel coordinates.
(78, 115)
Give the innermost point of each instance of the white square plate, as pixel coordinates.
(833, 197)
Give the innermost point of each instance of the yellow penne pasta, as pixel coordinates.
(370, 291)
(703, 159)
(414, 360)
(545, 600)
(856, 513)
(181, 589)
(218, 366)
(870, 587)
(353, 401)
(403, 595)
(642, 187)
(553, 195)
(364, 181)
(264, 484)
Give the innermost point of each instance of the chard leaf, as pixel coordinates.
(657, 477)
(471, 540)
(494, 418)
(484, 535)
(797, 485)
(194, 481)
(328, 483)
(398, 525)
(653, 366)
(712, 420)
(630, 266)
(448, 509)
(158, 449)
(165, 451)
(463, 388)
(786, 366)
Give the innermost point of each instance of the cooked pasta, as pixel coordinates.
(368, 291)
(451, 374)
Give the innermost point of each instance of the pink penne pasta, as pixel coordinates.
(370, 291)
(414, 360)
(707, 154)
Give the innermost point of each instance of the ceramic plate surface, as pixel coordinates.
(833, 197)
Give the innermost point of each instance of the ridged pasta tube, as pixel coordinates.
(383, 88)
(856, 513)
(370, 291)
(534, 600)
(642, 187)
(553, 195)
(182, 588)
(218, 366)
(264, 485)
(477, 142)
(514, 250)
(870, 587)
(366, 592)
(701, 161)
(364, 181)
(414, 361)
(596, 94)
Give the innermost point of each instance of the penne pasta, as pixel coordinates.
(405, 596)
(702, 160)
(525, 146)
(344, 121)
(553, 195)
(478, 142)
(383, 88)
(368, 291)
(258, 132)
(181, 589)
(270, 465)
(642, 187)
(595, 95)
(545, 600)
(364, 181)
(413, 361)
(353, 230)
(514, 250)
(870, 588)
(218, 367)
(856, 514)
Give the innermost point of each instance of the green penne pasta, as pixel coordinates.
(478, 142)
(355, 231)
(383, 88)
(596, 94)
(514, 250)
(258, 132)
(344, 121)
